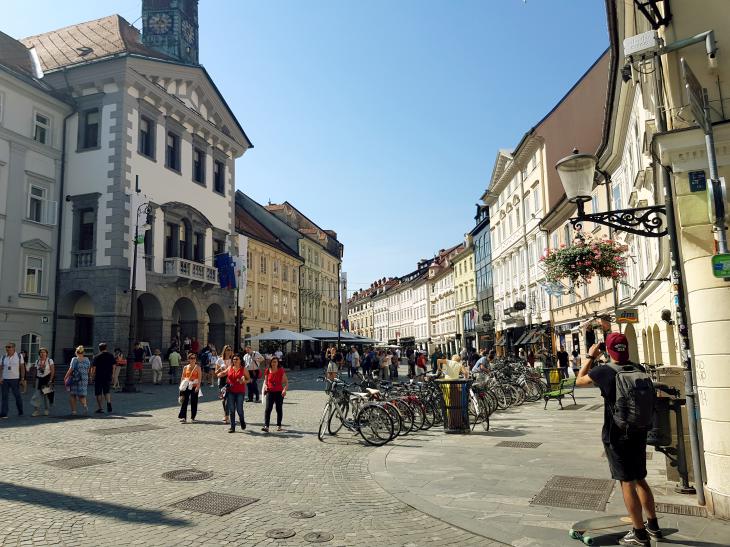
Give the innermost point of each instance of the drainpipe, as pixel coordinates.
(681, 310)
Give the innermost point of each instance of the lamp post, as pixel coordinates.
(144, 208)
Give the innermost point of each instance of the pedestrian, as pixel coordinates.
(435, 356)
(29, 372)
(120, 363)
(625, 447)
(562, 356)
(275, 384)
(420, 368)
(531, 358)
(211, 358)
(45, 372)
(354, 360)
(222, 364)
(12, 378)
(156, 366)
(333, 369)
(102, 369)
(190, 388)
(77, 380)
(575, 360)
(253, 360)
(348, 359)
(394, 362)
(187, 343)
(236, 377)
(195, 345)
(521, 355)
(174, 361)
(138, 353)
(279, 354)
(411, 356)
(482, 364)
(384, 359)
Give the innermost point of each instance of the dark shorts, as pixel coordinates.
(206, 369)
(627, 458)
(102, 386)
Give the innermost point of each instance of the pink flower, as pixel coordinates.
(562, 245)
(588, 262)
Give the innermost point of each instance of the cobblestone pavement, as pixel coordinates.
(127, 502)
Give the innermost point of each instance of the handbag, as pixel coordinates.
(180, 399)
(47, 389)
(184, 384)
(223, 392)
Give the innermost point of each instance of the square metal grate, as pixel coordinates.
(214, 503)
(518, 444)
(76, 462)
(126, 429)
(575, 493)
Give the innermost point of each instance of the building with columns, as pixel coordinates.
(442, 301)
(148, 126)
(465, 293)
(32, 118)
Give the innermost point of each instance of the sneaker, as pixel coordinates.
(36, 413)
(654, 530)
(231, 430)
(183, 421)
(109, 408)
(632, 539)
(99, 411)
(243, 426)
(265, 429)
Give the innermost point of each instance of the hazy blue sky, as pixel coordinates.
(380, 119)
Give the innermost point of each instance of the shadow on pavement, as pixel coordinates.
(75, 504)
(494, 432)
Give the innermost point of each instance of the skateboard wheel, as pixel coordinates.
(573, 534)
(588, 540)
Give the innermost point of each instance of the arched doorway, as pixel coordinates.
(149, 320)
(184, 319)
(216, 326)
(75, 323)
(671, 346)
(658, 358)
(630, 334)
(650, 346)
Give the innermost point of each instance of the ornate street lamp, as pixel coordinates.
(578, 172)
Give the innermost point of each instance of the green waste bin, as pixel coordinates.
(455, 405)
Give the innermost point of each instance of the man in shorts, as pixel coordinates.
(625, 451)
(102, 367)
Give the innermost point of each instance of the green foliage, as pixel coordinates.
(584, 259)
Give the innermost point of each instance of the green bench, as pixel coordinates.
(566, 387)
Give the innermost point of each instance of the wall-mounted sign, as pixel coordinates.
(629, 315)
(721, 265)
(44, 319)
(519, 305)
(697, 181)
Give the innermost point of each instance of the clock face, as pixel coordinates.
(188, 32)
(160, 23)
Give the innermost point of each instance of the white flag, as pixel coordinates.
(136, 200)
(241, 262)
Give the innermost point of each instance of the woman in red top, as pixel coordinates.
(237, 377)
(275, 384)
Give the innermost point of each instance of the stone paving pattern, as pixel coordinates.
(423, 489)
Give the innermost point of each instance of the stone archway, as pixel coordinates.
(149, 320)
(671, 346)
(184, 319)
(630, 334)
(216, 334)
(75, 323)
(650, 346)
(658, 358)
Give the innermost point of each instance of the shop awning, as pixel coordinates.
(501, 342)
(523, 339)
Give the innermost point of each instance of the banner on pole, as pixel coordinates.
(241, 265)
(138, 217)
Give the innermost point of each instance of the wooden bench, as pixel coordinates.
(566, 387)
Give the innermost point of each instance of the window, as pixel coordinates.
(41, 128)
(536, 200)
(248, 260)
(86, 230)
(555, 241)
(594, 204)
(146, 137)
(89, 129)
(617, 197)
(219, 177)
(39, 208)
(199, 247)
(219, 247)
(285, 273)
(171, 234)
(2, 104)
(263, 264)
(172, 154)
(198, 166)
(275, 267)
(30, 343)
(33, 275)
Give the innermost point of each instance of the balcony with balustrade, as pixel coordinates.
(190, 272)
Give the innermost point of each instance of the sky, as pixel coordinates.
(378, 119)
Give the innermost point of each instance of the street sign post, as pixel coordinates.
(696, 96)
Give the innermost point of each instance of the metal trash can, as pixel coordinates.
(455, 405)
(553, 376)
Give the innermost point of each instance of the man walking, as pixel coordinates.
(625, 447)
(102, 367)
(12, 378)
(174, 359)
(253, 359)
(354, 361)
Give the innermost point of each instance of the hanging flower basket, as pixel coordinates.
(584, 259)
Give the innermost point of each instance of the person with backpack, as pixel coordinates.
(253, 361)
(628, 396)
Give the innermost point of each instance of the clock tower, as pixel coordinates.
(171, 27)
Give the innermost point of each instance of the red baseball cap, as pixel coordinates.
(617, 347)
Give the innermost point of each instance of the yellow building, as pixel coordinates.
(465, 293)
(271, 298)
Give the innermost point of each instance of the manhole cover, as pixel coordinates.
(76, 462)
(126, 429)
(575, 493)
(187, 475)
(280, 533)
(213, 503)
(302, 514)
(319, 537)
(518, 444)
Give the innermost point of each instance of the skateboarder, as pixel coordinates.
(625, 450)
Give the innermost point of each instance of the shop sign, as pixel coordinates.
(721, 265)
(697, 181)
(629, 315)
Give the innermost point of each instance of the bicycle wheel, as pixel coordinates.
(485, 413)
(475, 410)
(326, 413)
(418, 414)
(406, 414)
(334, 423)
(375, 424)
(503, 400)
(395, 415)
(428, 417)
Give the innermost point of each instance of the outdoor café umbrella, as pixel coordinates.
(283, 335)
(329, 335)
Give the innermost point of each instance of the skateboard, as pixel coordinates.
(585, 530)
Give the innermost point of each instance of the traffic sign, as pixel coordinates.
(696, 96)
(721, 265)
(697, 181)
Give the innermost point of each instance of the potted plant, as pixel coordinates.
(584, 259)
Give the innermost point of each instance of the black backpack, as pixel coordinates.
(635, 398)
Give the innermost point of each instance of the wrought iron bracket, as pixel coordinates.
(641, 221)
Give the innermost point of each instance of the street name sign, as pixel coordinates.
(646, 42)
(721, 265)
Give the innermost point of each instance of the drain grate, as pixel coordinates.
(575, 493)
(677, 509)
(213, 503)
(280, 533)
(76, 462)
(187, 475)
(302, 514)
(319, 537)
(518, 444)
(126, 429)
